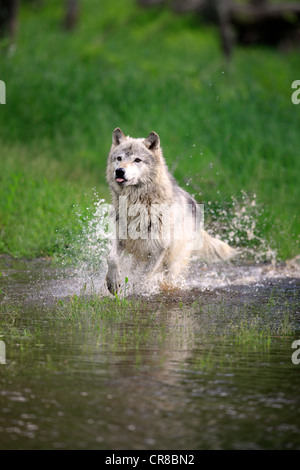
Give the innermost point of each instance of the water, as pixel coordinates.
(204, 366)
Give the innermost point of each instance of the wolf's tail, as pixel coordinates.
(214, 249)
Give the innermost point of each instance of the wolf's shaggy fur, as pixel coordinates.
(136, 169)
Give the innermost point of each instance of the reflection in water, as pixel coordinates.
(204, 367)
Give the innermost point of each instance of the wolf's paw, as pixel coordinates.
(113, 282)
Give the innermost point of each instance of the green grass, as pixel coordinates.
(221, 331)
(224, 128)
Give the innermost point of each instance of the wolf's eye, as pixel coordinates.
(119, 159)
(137, 160)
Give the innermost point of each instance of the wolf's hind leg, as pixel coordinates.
(177, 262)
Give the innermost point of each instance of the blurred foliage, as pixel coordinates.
(224, 128)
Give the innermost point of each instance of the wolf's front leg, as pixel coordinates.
(154, 263)
(113, 276)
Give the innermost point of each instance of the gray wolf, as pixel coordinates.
(144, 195)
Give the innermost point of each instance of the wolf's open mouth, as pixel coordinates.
(120, 180)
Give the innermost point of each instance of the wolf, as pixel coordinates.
(147, 207)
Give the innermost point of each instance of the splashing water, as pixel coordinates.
(237, 223)
(85, 257)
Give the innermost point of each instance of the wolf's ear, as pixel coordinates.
(118, 136)
(152, 142)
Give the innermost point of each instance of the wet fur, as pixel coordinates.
(149, 182)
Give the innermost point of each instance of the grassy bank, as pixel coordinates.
(224, 128)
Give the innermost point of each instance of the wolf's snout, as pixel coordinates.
(120, 175)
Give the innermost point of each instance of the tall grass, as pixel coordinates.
(224, 128)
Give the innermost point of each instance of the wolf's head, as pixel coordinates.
(133, 162)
